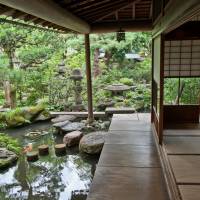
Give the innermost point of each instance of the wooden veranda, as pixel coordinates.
(175, 30)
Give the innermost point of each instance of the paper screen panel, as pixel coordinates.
(182, 58)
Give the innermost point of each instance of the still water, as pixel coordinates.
(51, 177)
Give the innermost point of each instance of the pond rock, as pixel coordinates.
(72, 138)
(23, 115)
(62, 118)
(43, 116)
(105, 125)
(74, 126)
(61, 124)
(102, 106)
(7, 158)
(92, 143)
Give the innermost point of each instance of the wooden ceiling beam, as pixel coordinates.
(177, 13)
(101, 8)
(18, 14)
(103, 12)
(133, 11)
(89, 6)
(117, 10)
(49, 11)
(129, 26)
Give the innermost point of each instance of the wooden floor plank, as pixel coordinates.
(130, 137)
(129, 167)
(182, 132)
(130, 125)
(117, 183)
(186, 168)
(182, 145)
(129, 155)
(190, 192)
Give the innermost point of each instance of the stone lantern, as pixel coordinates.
(61, 69)
(76, 76)
(117, 89)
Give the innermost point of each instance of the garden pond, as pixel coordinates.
(51, 177)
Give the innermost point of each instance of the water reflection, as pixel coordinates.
(51, 177)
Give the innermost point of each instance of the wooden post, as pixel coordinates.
(161, 90)
(89, 78)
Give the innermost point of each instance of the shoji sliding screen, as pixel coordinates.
(182, 58)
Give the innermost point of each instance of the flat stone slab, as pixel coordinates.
(61, 124)
(186, 168)
(79, 114)
(92, 143)
(182, 145)
(127, 155)
(119, 183)
(133, 117)
(190, 192)
(122, 110)
(74, 126)
(72, 138)
(62, 118)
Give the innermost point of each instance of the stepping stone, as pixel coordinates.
(72, 138)
(43, 150)
(61, 124)
(62, 118)
(60, 149)
(32, 156)
(92, 143)
(75, 126)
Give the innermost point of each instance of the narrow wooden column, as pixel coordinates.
(89, 78)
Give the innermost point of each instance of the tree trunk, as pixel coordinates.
(9, 90)
(107, 58)
(97, 70)
(180, 92)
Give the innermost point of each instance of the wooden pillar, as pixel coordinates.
(161, 91)
(89, 78)
(152, 80)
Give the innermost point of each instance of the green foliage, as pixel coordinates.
(10, 143)
(126, 81)
(190, 94)
(39, 53)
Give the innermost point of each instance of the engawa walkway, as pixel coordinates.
(129, 167)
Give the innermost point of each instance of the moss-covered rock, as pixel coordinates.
(24, 115)
(7, 158)
(9, 151)
(9, 143)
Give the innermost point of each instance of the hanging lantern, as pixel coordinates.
(121, 35)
